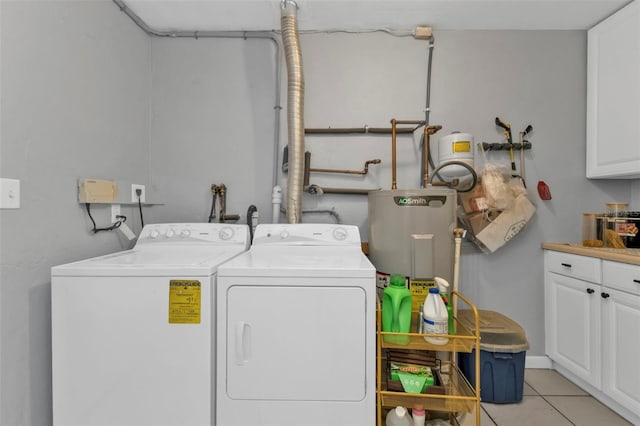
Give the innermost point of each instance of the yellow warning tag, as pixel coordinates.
(462, 146)
(184, 302)
(419, 291)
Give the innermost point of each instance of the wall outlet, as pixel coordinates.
(115, 211)
(134, 195)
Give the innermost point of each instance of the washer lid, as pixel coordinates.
(174, 260)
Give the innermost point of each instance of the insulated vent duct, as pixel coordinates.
(295, 109)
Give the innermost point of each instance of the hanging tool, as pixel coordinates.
(524, 133)
(507, 133)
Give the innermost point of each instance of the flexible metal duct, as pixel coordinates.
(295, 109)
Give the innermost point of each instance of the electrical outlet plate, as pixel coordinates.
(115, 211)
(134, 196)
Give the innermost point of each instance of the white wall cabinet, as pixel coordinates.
(613, 96)
(592, 327)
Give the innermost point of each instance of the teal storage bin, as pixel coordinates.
(503, 346)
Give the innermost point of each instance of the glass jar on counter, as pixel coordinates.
(616, 233)
(616, 209)
(590, 235)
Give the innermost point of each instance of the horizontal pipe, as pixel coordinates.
(364, 171)
(314, 189)
(355, 130)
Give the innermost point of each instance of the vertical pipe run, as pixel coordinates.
(393, 154)
(295, 109)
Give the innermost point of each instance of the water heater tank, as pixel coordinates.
(411, 232)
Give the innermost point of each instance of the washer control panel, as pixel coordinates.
(306, 234)
(194, 232)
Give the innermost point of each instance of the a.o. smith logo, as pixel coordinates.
(420, 200)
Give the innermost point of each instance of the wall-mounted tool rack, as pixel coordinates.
(504, 146)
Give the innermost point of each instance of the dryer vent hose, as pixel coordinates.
(295, 109)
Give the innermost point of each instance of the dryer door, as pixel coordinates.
(305, 343)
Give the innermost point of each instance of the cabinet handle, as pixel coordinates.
(636, 281)
(590, 290)
(566, 265)
(604, 295)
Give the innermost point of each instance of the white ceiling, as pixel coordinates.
(264, 15)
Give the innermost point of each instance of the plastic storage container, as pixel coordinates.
(503, 346)
(396, 310)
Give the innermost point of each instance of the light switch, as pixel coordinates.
(9, 193)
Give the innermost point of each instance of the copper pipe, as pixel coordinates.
(394, 131)
(351, 172)
(428, 131)
(222, 190)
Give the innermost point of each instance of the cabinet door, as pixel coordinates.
(621, 345)
(296, 343)
(613, 96)
(573, 325)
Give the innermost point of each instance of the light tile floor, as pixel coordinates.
(549, 399)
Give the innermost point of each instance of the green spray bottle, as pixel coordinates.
(443, 286)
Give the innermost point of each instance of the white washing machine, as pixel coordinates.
(296, 330)
(133, 333)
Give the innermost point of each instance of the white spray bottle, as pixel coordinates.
(434, 315)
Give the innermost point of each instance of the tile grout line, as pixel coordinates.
(556, 408)
(549, 402)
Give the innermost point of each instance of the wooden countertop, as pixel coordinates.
(617, 255)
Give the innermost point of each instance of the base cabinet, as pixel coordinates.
(592, 326)
(573, 326)
(621, 345)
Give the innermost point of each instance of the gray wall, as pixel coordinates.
(212, 122)
(75, 96)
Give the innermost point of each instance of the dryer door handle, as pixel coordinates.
(243, 342)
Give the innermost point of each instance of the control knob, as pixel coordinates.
(225, 233)
(340, 234)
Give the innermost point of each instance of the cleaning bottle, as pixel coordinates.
(436, 319)
(399, 416)
(396, 310)
(418, 414)
(443, 285)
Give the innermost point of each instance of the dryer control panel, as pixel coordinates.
(307, 234)
(222, 233)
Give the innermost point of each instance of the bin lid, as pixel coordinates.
(498, 333)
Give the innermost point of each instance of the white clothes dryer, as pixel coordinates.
(296, 330)
(133, 333)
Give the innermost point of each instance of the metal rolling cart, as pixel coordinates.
(452, 392)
